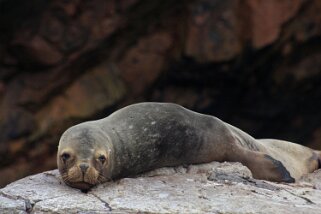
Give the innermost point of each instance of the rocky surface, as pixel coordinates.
(207, 188)
(252, 63)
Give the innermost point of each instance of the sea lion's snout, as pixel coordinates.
(83, 167)
(82, 176)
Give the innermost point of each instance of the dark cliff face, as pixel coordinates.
(253, 63)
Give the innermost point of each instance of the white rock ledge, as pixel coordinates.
(206, 188)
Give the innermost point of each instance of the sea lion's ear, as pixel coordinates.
(108, 154)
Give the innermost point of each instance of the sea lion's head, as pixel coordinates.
(84, 157)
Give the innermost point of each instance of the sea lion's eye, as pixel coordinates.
(102, 159)
(65, 157)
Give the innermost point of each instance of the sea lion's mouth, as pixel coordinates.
(83, 186)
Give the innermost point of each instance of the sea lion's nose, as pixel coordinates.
(83, 167)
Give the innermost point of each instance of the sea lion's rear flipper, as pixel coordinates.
(262, 165)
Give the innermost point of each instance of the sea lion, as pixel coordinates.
(146, 136)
